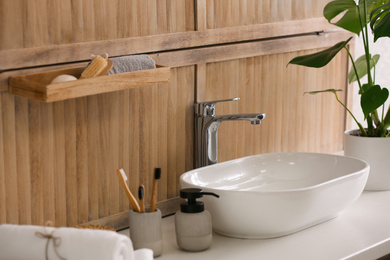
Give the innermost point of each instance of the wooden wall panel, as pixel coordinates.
(294, 122)
(58, 160)
(36, 23)
(228, 13)
(70, 53)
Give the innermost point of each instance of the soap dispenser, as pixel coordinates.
(193, 222)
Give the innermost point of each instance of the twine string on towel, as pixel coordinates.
(50, 236)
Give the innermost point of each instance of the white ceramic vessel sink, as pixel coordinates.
(272, 195)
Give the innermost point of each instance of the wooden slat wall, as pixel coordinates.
(36, 23)
(49, 55)
(40, 22)
(58, 161)
(294, 122)
(228, 13)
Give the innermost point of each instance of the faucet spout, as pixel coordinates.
(255, 119)
(206, 127)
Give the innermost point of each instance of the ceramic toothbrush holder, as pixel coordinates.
(145, 230)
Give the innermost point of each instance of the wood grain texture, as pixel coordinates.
(41, 23)
(4, 77)
(58, 160)
(38, 86)
(3, 193)
(11, 180)
(23, 161)
(140, 129)
(294, 122)
(201, 15)
(229, 13)
(249, 49)
(54, 54)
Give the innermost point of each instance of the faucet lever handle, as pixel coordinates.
(207, 108)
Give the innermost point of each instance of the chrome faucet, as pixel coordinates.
(206, 128)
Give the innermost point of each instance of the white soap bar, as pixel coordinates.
(63, 78)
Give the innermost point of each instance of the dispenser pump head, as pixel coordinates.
(191, 194)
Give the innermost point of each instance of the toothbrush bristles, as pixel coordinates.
(157, 173)
(123, 174)
(140, 192)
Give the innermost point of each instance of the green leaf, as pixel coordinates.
(345, 13)
(372, 99)
(364, 88)
(331, 90)
(370, 6)
(375, 4)
(380, 21)
(361, 67)
(350, 15)
(319, 59)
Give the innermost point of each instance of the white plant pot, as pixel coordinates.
(376, 152)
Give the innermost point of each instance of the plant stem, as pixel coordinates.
(375, 118)
(363, 24)
(383, 130)
(386, 121)
(383, 111)
(374, 115)
(369, 126)
(355, 69)
(367, 46)
(354, 118)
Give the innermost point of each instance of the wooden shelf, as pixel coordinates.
(37, 86)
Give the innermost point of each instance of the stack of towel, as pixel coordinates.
(29, 242)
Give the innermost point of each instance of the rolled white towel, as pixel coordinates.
(26, 242)
(143, 254)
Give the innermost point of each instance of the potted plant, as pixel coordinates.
(371, 142)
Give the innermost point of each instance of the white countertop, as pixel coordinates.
(362, 231)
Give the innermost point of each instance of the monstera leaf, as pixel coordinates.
(349, 12)
(349, 21)
(361, 67)
(380, 21)
(319, 59)
(372, 99)
(376, 4)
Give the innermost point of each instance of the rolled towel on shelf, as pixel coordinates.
(24, 242)
(131, 63)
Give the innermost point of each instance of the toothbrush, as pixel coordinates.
(123, 178)
(153, 200)
(141, 191)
